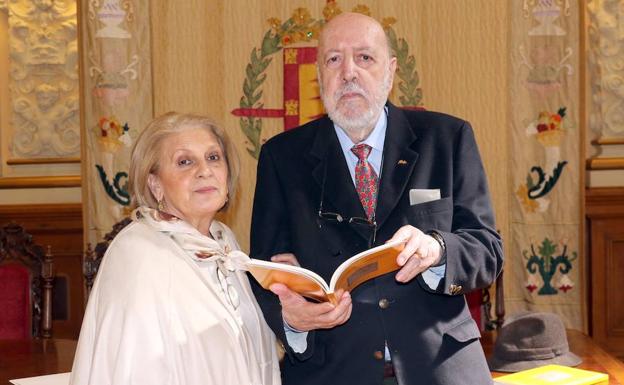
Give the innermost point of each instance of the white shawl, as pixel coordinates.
(154, 318)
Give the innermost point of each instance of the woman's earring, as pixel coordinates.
(161, 205)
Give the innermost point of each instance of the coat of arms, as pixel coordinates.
(302, 102)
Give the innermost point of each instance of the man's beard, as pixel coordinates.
(356, 122)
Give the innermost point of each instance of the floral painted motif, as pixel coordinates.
(546, 12)
(546, 67)
(549, 130)
(111, 77)
(532, 283)
(549, 127)
(548, 264)
(111, 14)
(111, 136)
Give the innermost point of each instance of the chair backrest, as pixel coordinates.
(26, 276)
(93, 257)
(496, 321)
(480, 306)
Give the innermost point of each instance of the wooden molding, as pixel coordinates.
(19, 161)
(40, 182)
(42, 213)
(605, 163)
(604, 201)
(607, 141)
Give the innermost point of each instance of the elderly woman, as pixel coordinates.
(171, 304)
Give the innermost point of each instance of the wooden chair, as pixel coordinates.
(26, 281)
(93, 258)
(493, 323)
(480, 305)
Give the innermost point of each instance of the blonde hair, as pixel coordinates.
(146, 152)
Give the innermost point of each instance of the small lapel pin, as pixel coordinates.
(402, 162)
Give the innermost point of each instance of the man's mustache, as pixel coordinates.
(350, 88)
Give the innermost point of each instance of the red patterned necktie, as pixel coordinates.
(365, 179)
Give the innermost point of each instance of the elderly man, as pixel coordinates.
(368, 173)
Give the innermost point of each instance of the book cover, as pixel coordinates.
(554, 375)
(361, 267)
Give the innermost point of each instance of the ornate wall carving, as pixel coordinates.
(606, 67)
(43, 80)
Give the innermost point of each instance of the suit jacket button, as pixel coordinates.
(384, 303)
(378, 354)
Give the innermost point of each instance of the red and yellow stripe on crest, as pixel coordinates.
(302, 101)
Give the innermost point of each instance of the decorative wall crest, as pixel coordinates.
(300, 28)
(43, 82)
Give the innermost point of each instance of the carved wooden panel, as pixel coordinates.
(58, 225)
(605, 72)
(43, 78)
(605, 214)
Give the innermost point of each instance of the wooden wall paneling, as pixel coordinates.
(605, 223)
(60, 226)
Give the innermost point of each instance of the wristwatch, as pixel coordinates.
(435, 235)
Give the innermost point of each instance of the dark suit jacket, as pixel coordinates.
(430, 333)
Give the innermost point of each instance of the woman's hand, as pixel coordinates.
(287, 258)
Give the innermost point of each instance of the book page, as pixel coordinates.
(366, 265)
(303, 281)
(51, 379)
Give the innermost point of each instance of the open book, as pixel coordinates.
(361, 267)
(50, 379)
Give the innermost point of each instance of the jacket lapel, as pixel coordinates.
(330, 170)
(399, 160)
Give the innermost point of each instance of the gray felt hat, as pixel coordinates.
(530, 340)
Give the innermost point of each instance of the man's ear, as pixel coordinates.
(393, 65)
(153, 182)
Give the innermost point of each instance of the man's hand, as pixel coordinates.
(286, 258)
(420, 253)
(305, 316)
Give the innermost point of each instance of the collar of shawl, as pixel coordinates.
(200, 247)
